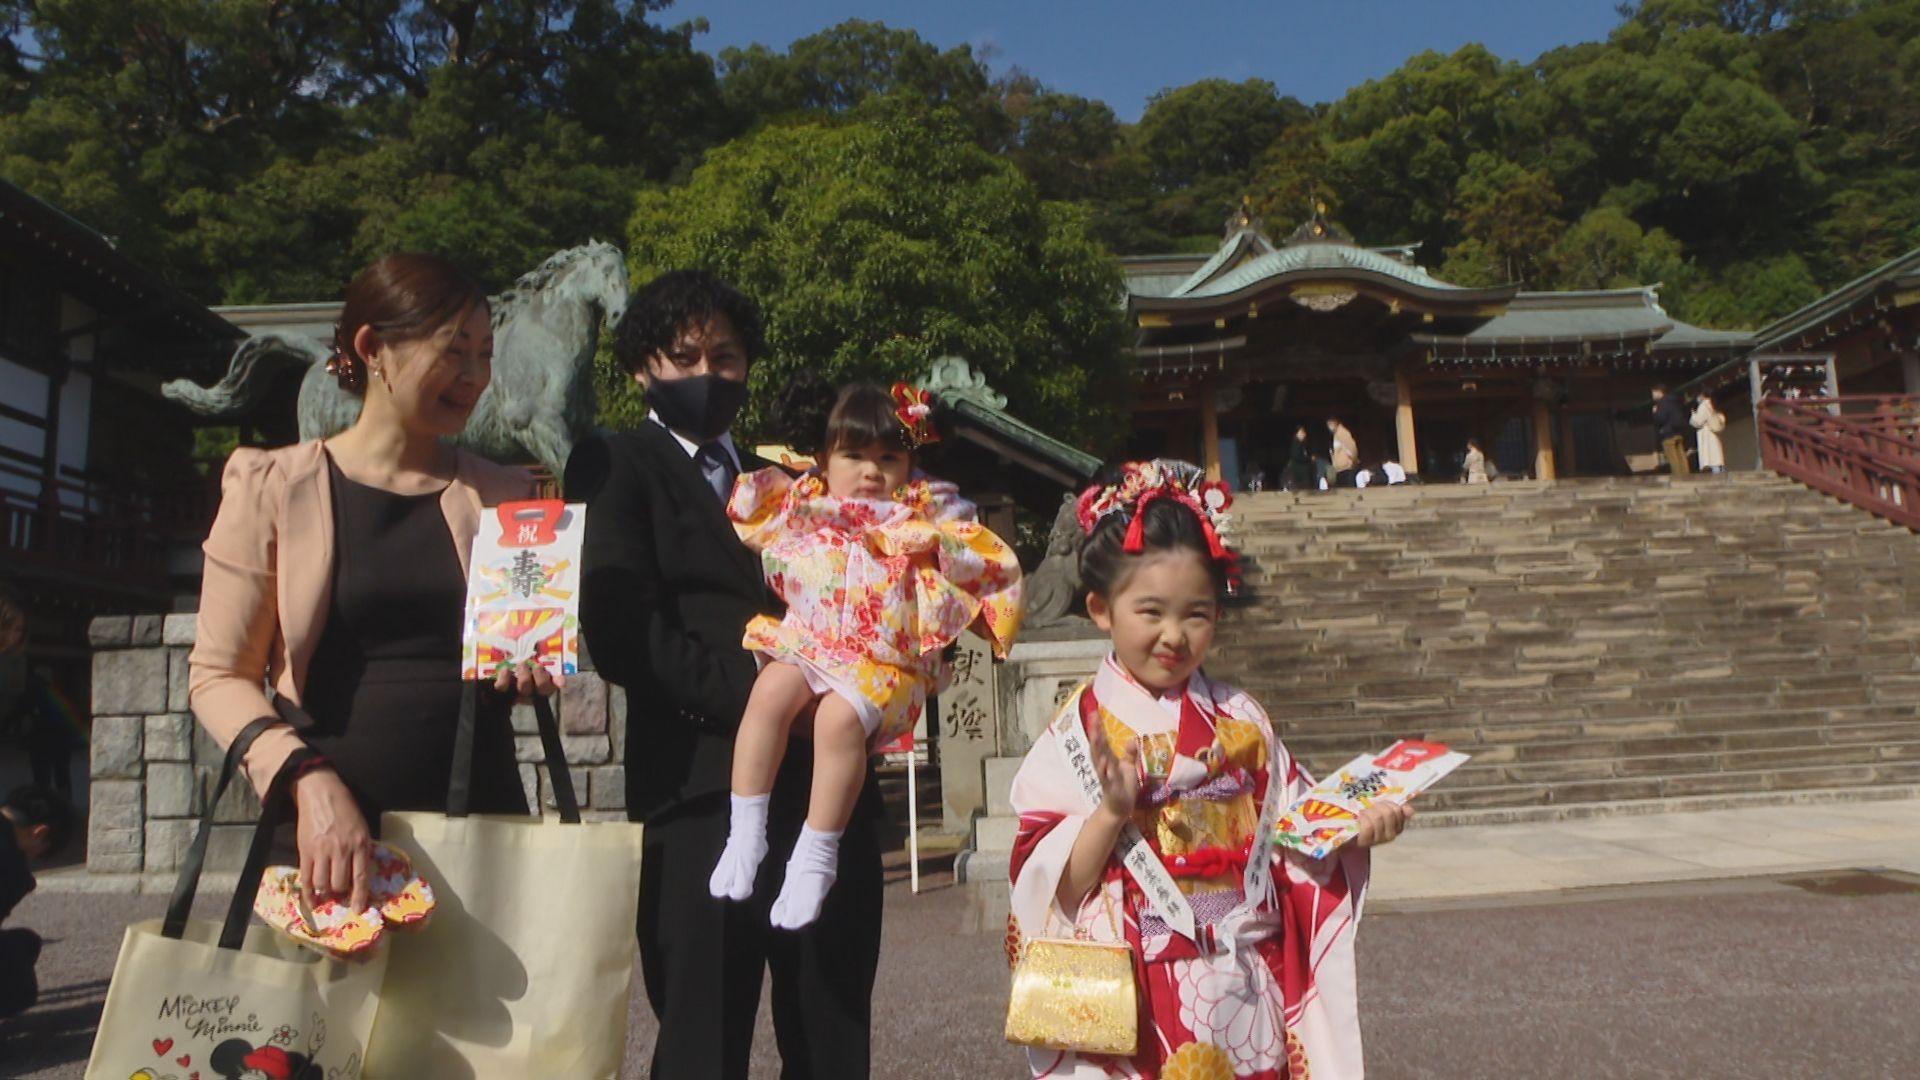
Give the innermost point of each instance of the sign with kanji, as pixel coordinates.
(523, 589)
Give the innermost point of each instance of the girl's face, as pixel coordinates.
(867, 472)
(432, 383)
(1162, 617)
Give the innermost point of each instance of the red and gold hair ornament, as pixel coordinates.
(914, 408)
(1143, 483)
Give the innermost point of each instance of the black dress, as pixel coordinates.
(384, 684)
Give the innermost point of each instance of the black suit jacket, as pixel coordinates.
(667, 590)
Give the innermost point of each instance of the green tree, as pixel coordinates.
(1506, 215)
(1606, 249)
(1199, 144)
(844, 65)
(879, 242)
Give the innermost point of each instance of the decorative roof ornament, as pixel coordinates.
(1317, 229)
(1243, 219)
(952, 378)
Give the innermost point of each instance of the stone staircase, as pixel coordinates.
(1593, 643)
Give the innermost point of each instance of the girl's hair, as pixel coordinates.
(862, 415)
(1105, 565)
(403, 298)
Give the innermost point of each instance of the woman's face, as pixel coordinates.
(432, 383)
(867, 472)
(1300, 435)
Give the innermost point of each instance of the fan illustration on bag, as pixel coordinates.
(523, 589)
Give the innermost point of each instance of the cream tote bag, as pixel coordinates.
(528, 968)
(192, 997)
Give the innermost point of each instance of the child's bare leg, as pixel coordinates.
(779, 694)
(839, 766)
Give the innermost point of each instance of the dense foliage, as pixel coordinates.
(1747, 153)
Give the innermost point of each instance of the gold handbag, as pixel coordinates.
(1075, 994)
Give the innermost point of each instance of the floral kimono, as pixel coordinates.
(874, 588)
(1263, 987)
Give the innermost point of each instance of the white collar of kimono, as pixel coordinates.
(1145, 711)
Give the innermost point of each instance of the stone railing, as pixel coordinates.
(153, 766)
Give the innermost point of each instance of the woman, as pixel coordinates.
(336, 570)
(1474, 464)
(1301, 474)
(1710, 422)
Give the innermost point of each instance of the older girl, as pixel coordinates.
(1243, 953)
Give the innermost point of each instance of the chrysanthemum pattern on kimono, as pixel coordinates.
(875, 588)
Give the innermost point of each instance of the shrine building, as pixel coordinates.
(1235, 350)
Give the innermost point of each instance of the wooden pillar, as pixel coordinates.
(1910, 371)
(1566, 441)
(1209, 430)
(1403, 422)
(1542, 442)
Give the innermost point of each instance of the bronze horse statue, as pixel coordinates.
(545, 330)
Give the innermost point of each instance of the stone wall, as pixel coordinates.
(153, 766)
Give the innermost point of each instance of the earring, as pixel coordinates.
(380, 371)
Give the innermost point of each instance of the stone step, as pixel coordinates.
(1649, 787)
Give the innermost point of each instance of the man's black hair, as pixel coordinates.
(31, 804)
(659, 309)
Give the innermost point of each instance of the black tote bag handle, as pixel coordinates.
(272, 810)
(460, 784)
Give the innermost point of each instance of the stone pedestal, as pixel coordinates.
(1036, 679)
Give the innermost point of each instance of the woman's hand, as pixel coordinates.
(1381, 822)
(1119, 773)
(525, 681)
(336, 850)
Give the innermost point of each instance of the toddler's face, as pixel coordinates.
(867, 472)
(1161, 619)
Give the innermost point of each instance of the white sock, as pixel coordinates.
(746, 846)
(810, 873)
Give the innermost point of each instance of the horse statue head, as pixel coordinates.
(546, 328)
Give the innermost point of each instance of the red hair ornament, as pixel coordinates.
(1143, 483)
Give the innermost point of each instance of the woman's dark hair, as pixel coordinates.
(1105, 565)
(862, 415)
(402, 297)
(659, 310)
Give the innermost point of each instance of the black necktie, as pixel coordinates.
(717, 466)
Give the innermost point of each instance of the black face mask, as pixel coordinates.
(701, 407)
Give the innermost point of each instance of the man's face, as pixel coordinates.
(712, 347)
(34, 840)
(1658, 394)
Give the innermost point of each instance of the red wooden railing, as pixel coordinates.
(1863, 450)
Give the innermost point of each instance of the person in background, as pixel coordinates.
(1709, 422)
(1670, 425)
(1474, 465)
(1346, 453)
(1301, 474)
(37, 822)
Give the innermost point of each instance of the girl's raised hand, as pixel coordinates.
(1119, 773)
(1381, 822)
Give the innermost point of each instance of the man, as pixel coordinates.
(1346, 454)
(36, 823)
(667, 591)
(1671, 422)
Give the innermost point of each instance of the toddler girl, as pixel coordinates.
(881, 568)
(1243, 953)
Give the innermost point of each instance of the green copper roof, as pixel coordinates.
(1783, 330)
(1597, 314)
(1307, 257)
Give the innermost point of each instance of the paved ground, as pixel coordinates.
(1795, 975)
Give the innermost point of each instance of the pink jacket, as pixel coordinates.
(265, 591)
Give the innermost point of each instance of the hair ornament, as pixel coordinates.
(914, 408)
(349, 369)
(1143, 483)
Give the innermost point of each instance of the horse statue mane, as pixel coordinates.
(546, 328)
